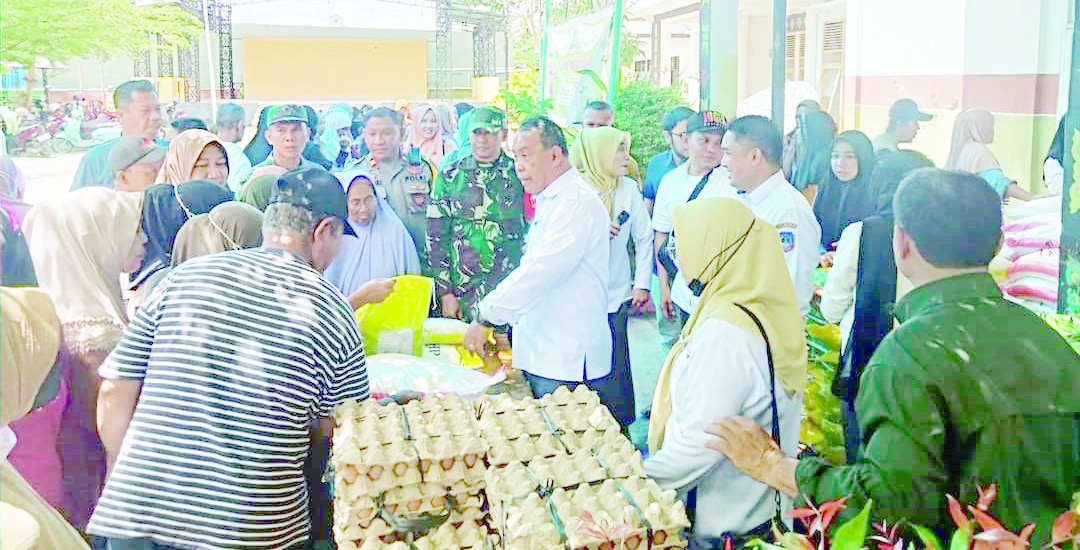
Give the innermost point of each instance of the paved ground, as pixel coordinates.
(48, 177)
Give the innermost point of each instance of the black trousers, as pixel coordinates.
(621, 378)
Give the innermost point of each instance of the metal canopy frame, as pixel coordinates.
(220, 22)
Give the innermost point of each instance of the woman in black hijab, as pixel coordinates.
(863, 283)
(165, 209)
(312, 151)
(816, 133)
(845, 195)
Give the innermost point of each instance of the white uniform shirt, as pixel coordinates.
(722, 371)
(628, 199)
(780, 204)
(557, 298)
(675, 188)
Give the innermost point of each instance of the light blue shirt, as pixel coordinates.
(239, 166)
(997, 180)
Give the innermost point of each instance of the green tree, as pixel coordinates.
(61, 30)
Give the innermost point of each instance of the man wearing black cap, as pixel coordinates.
(904, 119)
(700, 176)
(288, 133)
(209, 400)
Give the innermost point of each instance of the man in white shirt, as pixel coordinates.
(706, 130)
(752, 148)
(556, 300)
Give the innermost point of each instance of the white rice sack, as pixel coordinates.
(395, 373)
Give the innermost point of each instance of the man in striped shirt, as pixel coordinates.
(210, 399)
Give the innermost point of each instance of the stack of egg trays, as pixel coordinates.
(632, 513)
(423, 459)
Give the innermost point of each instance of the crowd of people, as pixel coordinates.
(192, 327)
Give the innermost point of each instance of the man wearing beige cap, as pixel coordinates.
(136, 162)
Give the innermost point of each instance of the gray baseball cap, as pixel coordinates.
(130, 150)
(906, 109)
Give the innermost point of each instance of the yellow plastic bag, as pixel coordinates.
(457, 355)
(395, 324)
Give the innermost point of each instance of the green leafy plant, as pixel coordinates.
(975, 527)
(1066, 325)
(638, 109)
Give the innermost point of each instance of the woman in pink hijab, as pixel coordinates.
(426, 135)
(972, 131)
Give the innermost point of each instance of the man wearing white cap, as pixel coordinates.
(904, 119)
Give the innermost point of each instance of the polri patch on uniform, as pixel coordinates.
(787, 240)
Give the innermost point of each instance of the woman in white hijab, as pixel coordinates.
(970, 152)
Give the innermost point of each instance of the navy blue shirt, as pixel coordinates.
(659, 166)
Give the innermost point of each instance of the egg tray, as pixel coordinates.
(533, 418)
(419, 499)
(429, 404)
(379, 528)
(633, 513)
(462, 531)
(503, 451)
(581, 395)
(613, 461)
(405, 463)
(365, 426)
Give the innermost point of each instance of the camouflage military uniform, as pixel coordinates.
(476, 228)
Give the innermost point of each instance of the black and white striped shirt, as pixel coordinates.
(238, 353)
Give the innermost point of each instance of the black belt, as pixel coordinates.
(729, 540)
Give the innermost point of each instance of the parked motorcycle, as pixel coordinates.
(70, 136)
(32, 139)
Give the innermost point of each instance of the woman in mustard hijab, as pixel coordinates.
(602, 155)
(742, 352)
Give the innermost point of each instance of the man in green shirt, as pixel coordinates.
(140, 115)
(970, 389)
(476, 220)
(288, 133)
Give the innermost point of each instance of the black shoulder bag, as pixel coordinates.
(662, 256)
(762, 530)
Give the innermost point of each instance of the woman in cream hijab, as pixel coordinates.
(196, 155)
(80, 243)
(30, 343)
(602, 155)
(972, 131)
(721, 364)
